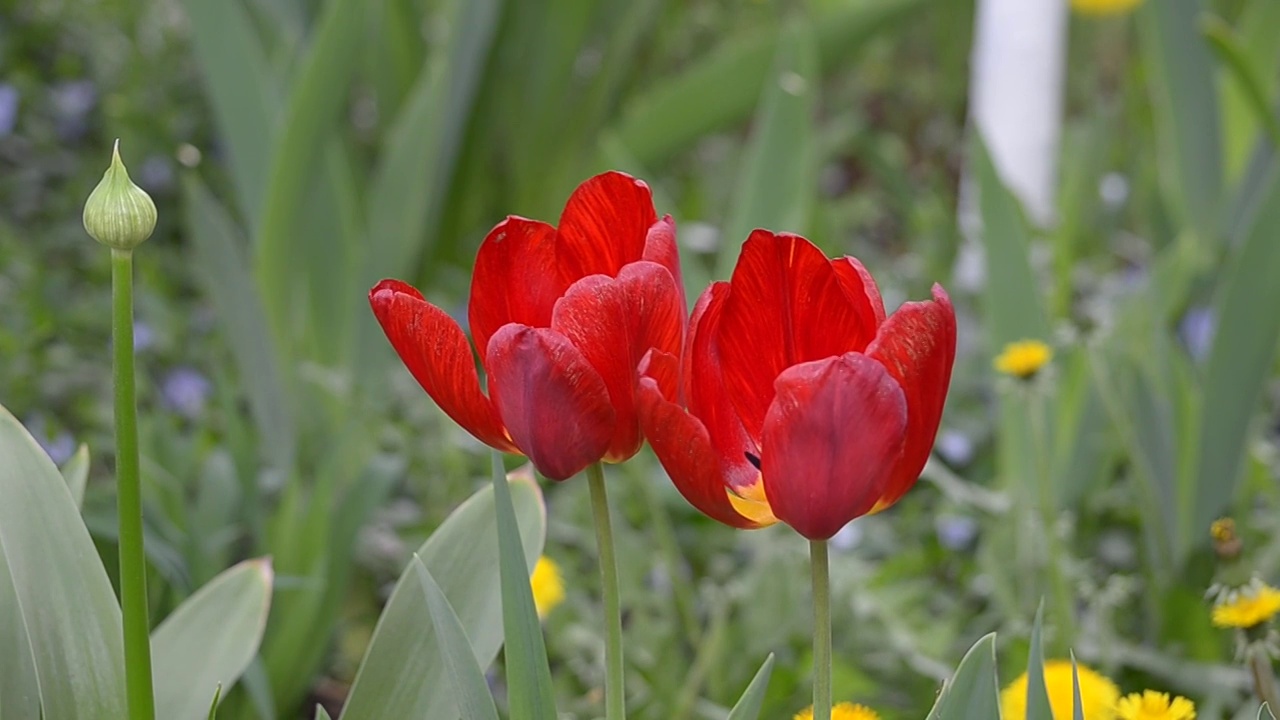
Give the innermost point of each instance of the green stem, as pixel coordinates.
(821, 629)
(1055, 558)
(133, 561)
(614, 695)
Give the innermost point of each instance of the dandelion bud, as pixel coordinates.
(118, 213)
(1226, 543)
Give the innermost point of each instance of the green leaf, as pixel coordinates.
(238, 82)
(776, 189)
(219, 251)
(1038, 707)
(748, 706)
(61, 598)
(1265, 712)
(1234, 56)
(19, 689)
(1012, 302)
(1240, 360)
(1256, 32)
(317, 94)
(76, 472)
(209, 640)
(973, 691)
(528, 675)
(465, 675)
(1077, 703)
(402, 675)
(1187, 116)
(213, 706)
(321, 713)
(674, 113)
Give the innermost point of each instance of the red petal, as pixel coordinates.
(832, 437)
(787, 306)
(613, 323)
(515, 279)
(706, 394)
(604, 226)
(554, 404)
(683, 446)
(860, 287)
(660, 247)
(917, 344)
(436, 352)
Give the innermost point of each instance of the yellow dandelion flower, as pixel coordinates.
(1097, 693)
(1024, 358)
(1104, 7)
(1248, 608)
(1152, 705)
(843, 711)
(548, 586)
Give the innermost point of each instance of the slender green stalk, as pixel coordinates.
(821, 629)
(133, 562)
(614, 694)
(1054, 562)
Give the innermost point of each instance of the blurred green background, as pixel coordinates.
(300, 150)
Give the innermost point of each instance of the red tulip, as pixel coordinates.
(560, 318)
(805, 404)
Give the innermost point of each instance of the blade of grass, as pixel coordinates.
(748, 706)
(973, 691)
(1038, 707)
(1234, 57)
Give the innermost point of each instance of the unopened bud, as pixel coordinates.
(118, 213)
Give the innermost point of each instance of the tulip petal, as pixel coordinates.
(438, 355)
(917, 345)
(660, 247)
(604, 226)
(832, 437)
(554, 404)
(683, 446)
(708, 399)
(787, 306)
(613, 322)
(515, 279)
(860, 286)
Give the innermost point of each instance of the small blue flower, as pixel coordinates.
(185, 390)
(8, 108)
(1197, 329)
(143, 336)
(955, 532)
(955, 447)
(72, 102)
(59, 448)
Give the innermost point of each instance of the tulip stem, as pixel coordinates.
(614, 695)
(133, 561)
(821, 629)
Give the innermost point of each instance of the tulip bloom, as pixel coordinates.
(560, 318)
(805, 403)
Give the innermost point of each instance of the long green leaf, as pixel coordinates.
(777, 188)
(1077, 702)
(1234, 56)
(316, 97)
(1187, 116)
(219, 252)
(528, 675)
(401, 675)
(209, 640)
(973, 691)
(465, 674)
(1038, 707)
(676, 112)
(19, 689)
(748, 706)
(238, 81)
(1012, 301)
(62, 598)
(76, 472)
(1240, 360)
(1256, 32)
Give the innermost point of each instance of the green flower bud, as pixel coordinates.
(118, 213)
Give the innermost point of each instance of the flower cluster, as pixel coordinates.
(794, 396)
(1099, 697)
